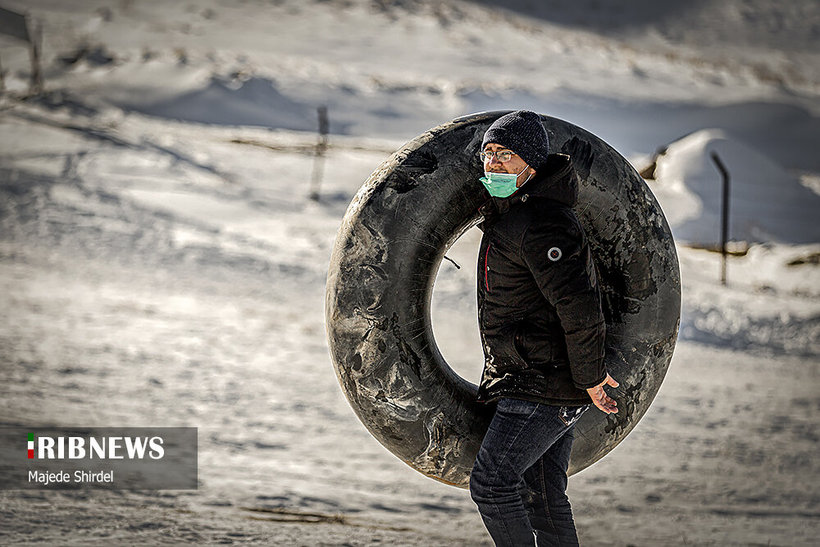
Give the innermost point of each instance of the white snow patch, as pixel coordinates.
(766, 202)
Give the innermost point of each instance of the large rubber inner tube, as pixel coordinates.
(380, 284)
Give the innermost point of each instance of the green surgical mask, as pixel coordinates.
(501, 185)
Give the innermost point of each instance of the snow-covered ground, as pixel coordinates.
(160, 263)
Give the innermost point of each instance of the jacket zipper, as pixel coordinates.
(487, 268)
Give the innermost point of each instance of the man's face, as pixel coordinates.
(514, 165)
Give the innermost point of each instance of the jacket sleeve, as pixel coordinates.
(557, 255)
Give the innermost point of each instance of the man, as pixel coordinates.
(543, 331)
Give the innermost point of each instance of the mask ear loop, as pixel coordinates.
(527, 179)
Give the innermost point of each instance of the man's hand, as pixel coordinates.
(600, 399)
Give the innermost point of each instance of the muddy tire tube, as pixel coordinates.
(380, 284)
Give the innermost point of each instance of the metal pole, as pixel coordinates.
(36, 35)
(321, 148)
(724, 214)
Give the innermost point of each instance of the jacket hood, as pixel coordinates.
(556, 180)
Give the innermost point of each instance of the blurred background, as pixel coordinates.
(172, 177)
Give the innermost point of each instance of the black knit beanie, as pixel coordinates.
(521, 131)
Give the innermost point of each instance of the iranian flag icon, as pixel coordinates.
(31, 446)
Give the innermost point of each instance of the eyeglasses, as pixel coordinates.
(502, 155)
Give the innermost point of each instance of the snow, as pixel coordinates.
(158, 251)
(766, 202)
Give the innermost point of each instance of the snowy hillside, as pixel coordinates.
(396, 68)
(161, 263)
(767, 203)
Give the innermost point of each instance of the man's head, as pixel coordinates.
(522, 133)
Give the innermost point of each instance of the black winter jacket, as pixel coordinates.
(539, 306)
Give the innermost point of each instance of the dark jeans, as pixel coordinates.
(519, 480)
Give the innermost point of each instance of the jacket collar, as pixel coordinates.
(555, 180)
